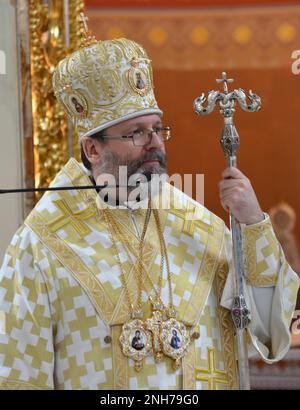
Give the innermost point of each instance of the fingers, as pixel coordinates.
(232, 183)
(237, 196)
(239, 185)
(226, 207)
(233, 172)
(234, 193)
(234, 197)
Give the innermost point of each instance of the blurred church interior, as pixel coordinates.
(190, 42)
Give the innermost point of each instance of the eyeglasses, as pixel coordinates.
(143, 137)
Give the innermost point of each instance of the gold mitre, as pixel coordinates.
(105, 83)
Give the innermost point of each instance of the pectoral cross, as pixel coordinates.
(154, 325)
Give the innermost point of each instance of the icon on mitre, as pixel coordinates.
(138, 80)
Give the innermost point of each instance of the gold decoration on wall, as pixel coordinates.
(199, 35)
(157, 36)
(286, 32)
(242, 34)
(76, 7)
(54, 33)
(206, 38)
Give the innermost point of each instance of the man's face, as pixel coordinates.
(116, 153)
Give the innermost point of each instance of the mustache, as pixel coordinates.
(148, 156)
(111, 162)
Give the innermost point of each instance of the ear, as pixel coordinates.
(92, 149)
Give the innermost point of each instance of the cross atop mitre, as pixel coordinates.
(87, 36)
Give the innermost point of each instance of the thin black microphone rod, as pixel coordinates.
(146, 174)
(59, 188)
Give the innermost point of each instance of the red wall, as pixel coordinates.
(270, 139)
(183, 3)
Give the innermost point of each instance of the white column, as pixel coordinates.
(11, 206)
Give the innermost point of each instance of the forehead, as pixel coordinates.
(143, 121)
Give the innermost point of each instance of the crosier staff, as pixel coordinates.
(230, 143)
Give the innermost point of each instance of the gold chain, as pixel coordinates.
(127, 248)
(111, 224)
(157, 329)
(139, 268)
(165, 254)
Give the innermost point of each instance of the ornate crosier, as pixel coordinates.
(230, 143)
(162, 333)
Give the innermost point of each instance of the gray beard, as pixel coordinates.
(110, 165)
(111, 162)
